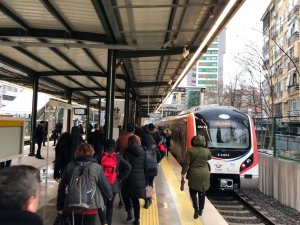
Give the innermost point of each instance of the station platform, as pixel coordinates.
(170, 205)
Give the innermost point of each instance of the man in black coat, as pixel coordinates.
(19, 188)
(96, 139)
(39, 137)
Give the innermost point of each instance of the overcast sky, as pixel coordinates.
(244, 28)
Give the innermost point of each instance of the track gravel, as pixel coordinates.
(284, 215)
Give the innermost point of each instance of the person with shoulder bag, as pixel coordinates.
(83, 188)
(195, 164)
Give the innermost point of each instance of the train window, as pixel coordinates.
(233, 133)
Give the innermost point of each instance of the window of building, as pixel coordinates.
(294, 79)
(214, 46)
(291, 5)
(294, 105)
(273, 12)
(278, 88)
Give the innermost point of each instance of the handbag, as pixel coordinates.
(62, 219)
(182, 182)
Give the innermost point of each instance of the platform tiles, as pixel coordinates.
(170, 205)
(181, 210)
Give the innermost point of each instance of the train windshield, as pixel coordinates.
(224, 131)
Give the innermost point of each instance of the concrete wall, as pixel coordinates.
(280, 179)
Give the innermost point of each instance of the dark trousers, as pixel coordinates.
(136, 206)
(84, 219)
(149, 180)
(198, 201)
(5, 164)
(106, 217)
(38, 152)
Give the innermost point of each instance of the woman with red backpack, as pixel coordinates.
(116, 169)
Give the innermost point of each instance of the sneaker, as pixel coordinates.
(39, 157)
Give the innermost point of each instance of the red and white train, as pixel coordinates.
(230, 137)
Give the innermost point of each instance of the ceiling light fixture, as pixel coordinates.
(186, 51)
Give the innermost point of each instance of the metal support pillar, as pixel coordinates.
(133, 108)
(110, 94)
(126, 107)
(87, 123)
(99, 112)
(33, 115)
(69, 112)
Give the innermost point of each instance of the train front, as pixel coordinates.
(232, 141)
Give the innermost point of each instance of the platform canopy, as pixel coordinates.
(65, 43)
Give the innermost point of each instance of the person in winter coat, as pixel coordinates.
(39, 137)
(134, 186)
(150, 145)
(195, 164)
(84, 155)
(62, 154)
(19, 188)
(122, 171)
(76, 140)
(96, 139)
(154, 132)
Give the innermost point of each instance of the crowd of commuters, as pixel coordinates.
(127, 166)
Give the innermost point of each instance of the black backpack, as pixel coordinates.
(80, 189)
(151, 162)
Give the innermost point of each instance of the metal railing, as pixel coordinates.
(279, 136)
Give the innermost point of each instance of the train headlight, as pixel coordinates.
(243, 166)
(248, 161)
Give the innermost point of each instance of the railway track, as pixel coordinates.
(236, 210)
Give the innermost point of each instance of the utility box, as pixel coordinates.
(11, 138)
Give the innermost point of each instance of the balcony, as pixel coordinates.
(266, 64)
(293, 38)
(293, 113)
(291, 65)
(266, 46)
(293, 89)
(293, 12)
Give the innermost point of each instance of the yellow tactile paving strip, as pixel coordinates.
(182, 202)
(149, 216)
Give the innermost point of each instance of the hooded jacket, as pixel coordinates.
(135, 184)
(196, 162)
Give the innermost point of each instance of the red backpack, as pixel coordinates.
(109, 164)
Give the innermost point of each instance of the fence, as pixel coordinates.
(279, 136)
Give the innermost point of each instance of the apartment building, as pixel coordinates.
(8, 92)
(281, 55)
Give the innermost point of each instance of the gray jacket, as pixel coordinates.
(99, 181)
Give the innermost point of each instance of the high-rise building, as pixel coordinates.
(281, 56)
(206, 73)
